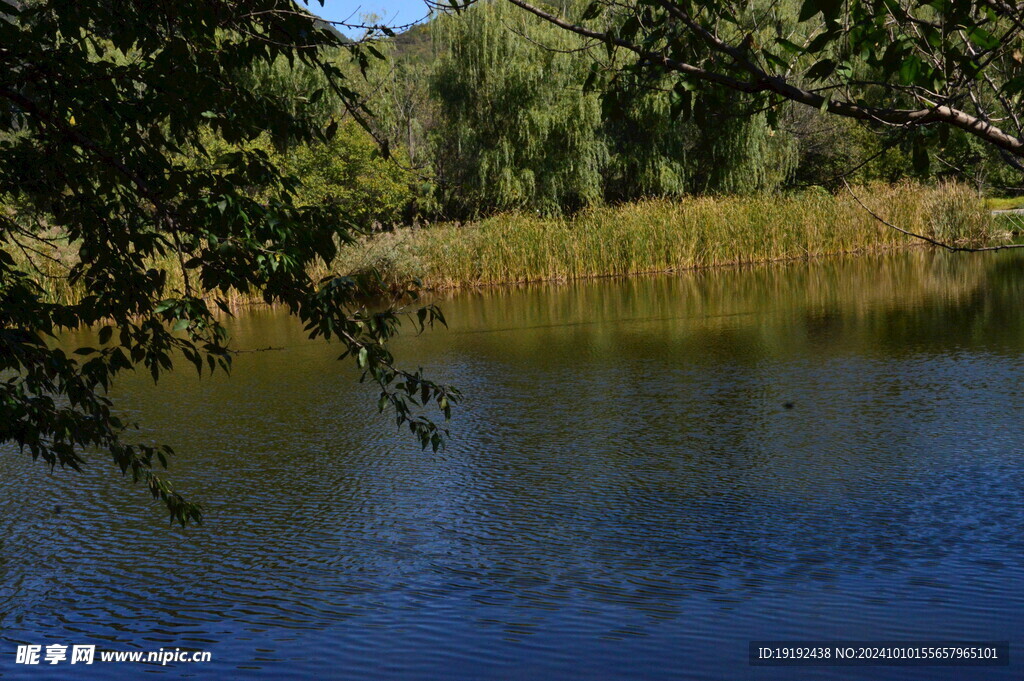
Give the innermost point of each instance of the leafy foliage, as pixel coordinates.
(516, 130)
(531, 117)
(911, 65)
(100, 102)
(348, 173)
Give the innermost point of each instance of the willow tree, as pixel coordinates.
(669, 137)
(674, 145)
(515, 129)
(532, 117)
(934, 63)
(358, 171)
(98, 100)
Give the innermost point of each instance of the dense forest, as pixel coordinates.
(492, 109)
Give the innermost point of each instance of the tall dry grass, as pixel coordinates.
(648, 236)
(665, 235)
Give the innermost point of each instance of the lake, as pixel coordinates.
(645, 475)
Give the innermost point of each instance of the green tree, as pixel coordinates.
(350, 172)
(516, 129)
(100, 103)
(909, 64)
(690, 141)
(661, 146)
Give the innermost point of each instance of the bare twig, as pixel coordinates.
(934, 242)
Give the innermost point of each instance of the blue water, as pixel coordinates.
(626, 494)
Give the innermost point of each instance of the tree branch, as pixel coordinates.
(934, 242)
(765, 82)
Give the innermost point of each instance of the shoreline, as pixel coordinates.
(654, 236)
(664, 236)
(782, 260)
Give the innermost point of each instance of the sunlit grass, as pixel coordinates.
(648, 236)
(663, 235)
(1004, 203)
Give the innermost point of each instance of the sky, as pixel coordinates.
(391, 12)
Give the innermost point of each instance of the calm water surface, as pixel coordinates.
(625, 496)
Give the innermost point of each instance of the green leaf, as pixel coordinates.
(809, 9)
(831, 9)
(821, 70)
(909, 69)
(165, 305)
(790, 46)
(982, 38)
(820, 42)
(592, 11)
(1014, 86)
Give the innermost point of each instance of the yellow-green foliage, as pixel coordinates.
(516, 130)
(349, 172)
(1005, 203)
(663, 235)
(649, 236)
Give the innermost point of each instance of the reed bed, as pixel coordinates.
(648, 236)
(667, 235)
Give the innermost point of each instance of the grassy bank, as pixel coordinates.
(1005, 203)
(649, 236)
(663, 235)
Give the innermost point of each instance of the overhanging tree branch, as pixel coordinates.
(761, 81)
(922, 237)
